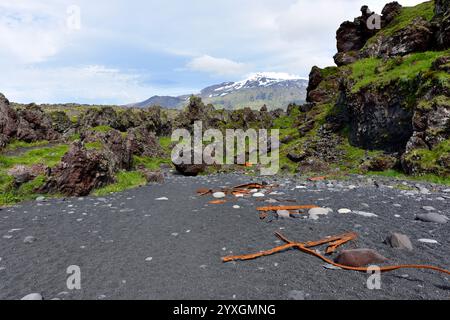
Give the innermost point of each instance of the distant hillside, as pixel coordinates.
(276, 90)
(164, 101)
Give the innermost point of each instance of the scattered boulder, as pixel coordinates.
(79, 172)
(359, 258)
(189, 168)
(23, 174)
(399, 241)
(432, 217)
(380, 163)
(152, 176)
(33, 296)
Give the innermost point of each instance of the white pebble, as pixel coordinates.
(219, 195)
(430, 241)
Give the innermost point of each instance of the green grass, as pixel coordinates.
(406, 17)
(165, 143)
(27, 191)
(151, 163)
(124, 180)
(14, 145)
(49, 156)
(373, 71)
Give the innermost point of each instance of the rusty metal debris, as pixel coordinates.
(218, 202)
(333, 243)
(317, 178)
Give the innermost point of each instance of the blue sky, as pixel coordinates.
(118, 51)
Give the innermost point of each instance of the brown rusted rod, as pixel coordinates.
(335, 242)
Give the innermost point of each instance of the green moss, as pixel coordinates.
(124, 180)
(74, 137)
(374, 71)
(94, 146)
(428, 159)
(102, 129)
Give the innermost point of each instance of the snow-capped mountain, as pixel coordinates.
(276, 90)
(256, 80)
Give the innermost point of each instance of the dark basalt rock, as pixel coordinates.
(79, 172)
(190, 170)
(379, 119)
(8, 122)
(34, 125)
(143, 142)
(390, 12)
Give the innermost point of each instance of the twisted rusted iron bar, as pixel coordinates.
(334, 243)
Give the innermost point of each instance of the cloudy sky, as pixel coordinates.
(123, 51)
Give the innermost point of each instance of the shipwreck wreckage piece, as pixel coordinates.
(333, 243)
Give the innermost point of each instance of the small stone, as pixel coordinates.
(40, 199)
(284, 214)
(319, 211)
(446, 191)
(365, 214)
(344, 211)
(29, 240)
(149, 259)
(331, 267)
(432, 217)
(429, 241)
(399, 241)
(359, 257)
(296, 295)
(423, 190)
(258, 195)
(428, 208)
(236, 207)
(33, 296)
(162, 199)
(219, 195)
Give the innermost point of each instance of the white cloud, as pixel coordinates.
(85, 84)
(31, 32)
(218, 66)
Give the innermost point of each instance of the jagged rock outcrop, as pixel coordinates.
(35, 125)
(143, 142)
(79, 172)
(416, 37)
(96, 117)
(393, 105)
(441, 23)
(8, 122)
(60, 121)
(379, 119)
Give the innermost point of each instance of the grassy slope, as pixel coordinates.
(49, 156)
